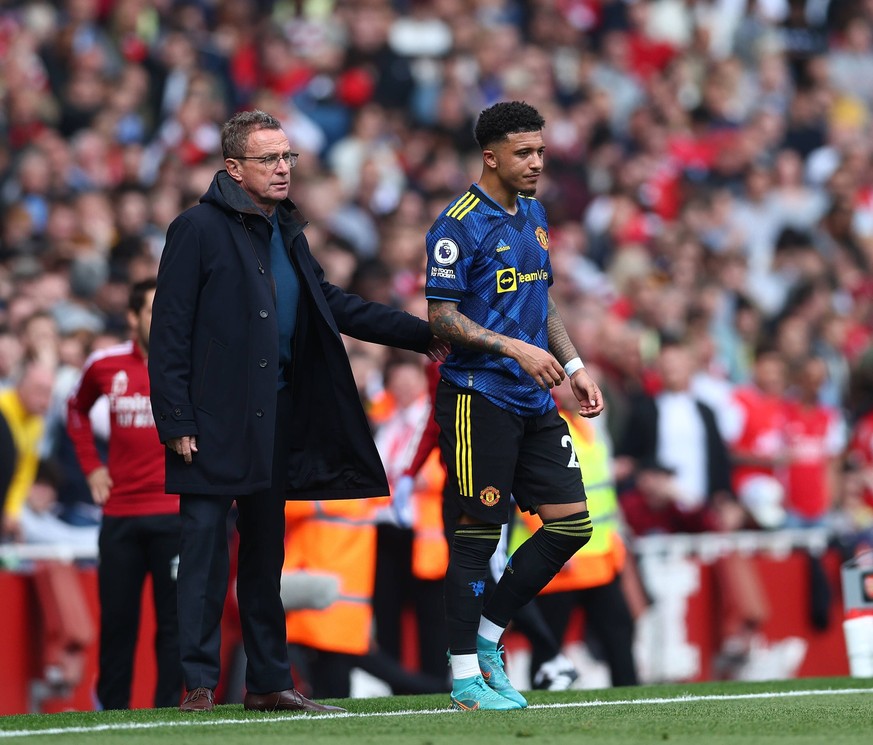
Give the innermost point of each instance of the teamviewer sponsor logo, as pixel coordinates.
(506, 280)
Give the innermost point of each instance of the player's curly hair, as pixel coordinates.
(505, 118)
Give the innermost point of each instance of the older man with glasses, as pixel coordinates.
(254, 397)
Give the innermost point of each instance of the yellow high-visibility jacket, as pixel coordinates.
(26, 432)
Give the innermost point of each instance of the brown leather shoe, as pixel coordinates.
(200, 699)
(290, 700)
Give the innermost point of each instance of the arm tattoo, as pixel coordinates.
(450, 325)
(559, 342)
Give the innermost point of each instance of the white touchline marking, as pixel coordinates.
(198, 721)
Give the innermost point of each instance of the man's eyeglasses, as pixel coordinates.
(272, 161)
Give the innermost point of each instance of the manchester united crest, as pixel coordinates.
(542, 238)
(489, 496)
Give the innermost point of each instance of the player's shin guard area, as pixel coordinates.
(472, 547)
(535, 562)
(567, 535)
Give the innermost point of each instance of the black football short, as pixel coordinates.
(491, 453)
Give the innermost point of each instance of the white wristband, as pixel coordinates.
(573, 366)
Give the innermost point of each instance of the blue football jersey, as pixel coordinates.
(496, 267)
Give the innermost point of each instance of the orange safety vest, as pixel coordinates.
(338, 537)
(430, 551)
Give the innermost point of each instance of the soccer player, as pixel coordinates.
(488, 278)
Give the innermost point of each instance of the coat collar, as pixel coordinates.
(229, 196)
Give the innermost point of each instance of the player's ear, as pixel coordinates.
(489, 158)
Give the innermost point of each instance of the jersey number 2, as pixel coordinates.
(567, 442)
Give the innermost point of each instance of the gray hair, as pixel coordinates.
(236, 130)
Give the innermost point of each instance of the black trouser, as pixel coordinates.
(395, 587)
(329, 674)
(131, 548)
(203, 577)
(608, 621)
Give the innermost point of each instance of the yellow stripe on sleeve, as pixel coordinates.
(468, 209)
(460, 204)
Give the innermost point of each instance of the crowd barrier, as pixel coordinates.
(677, 636)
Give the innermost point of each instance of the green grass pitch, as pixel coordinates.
(828, 711)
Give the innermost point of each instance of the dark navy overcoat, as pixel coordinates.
(213, 357)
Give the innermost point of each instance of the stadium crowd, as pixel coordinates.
(709, 186)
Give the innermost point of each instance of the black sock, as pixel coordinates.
(472, 548)
(535, 562)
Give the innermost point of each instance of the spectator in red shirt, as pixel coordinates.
(815, 437)
(758, 445)
(651, 506)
